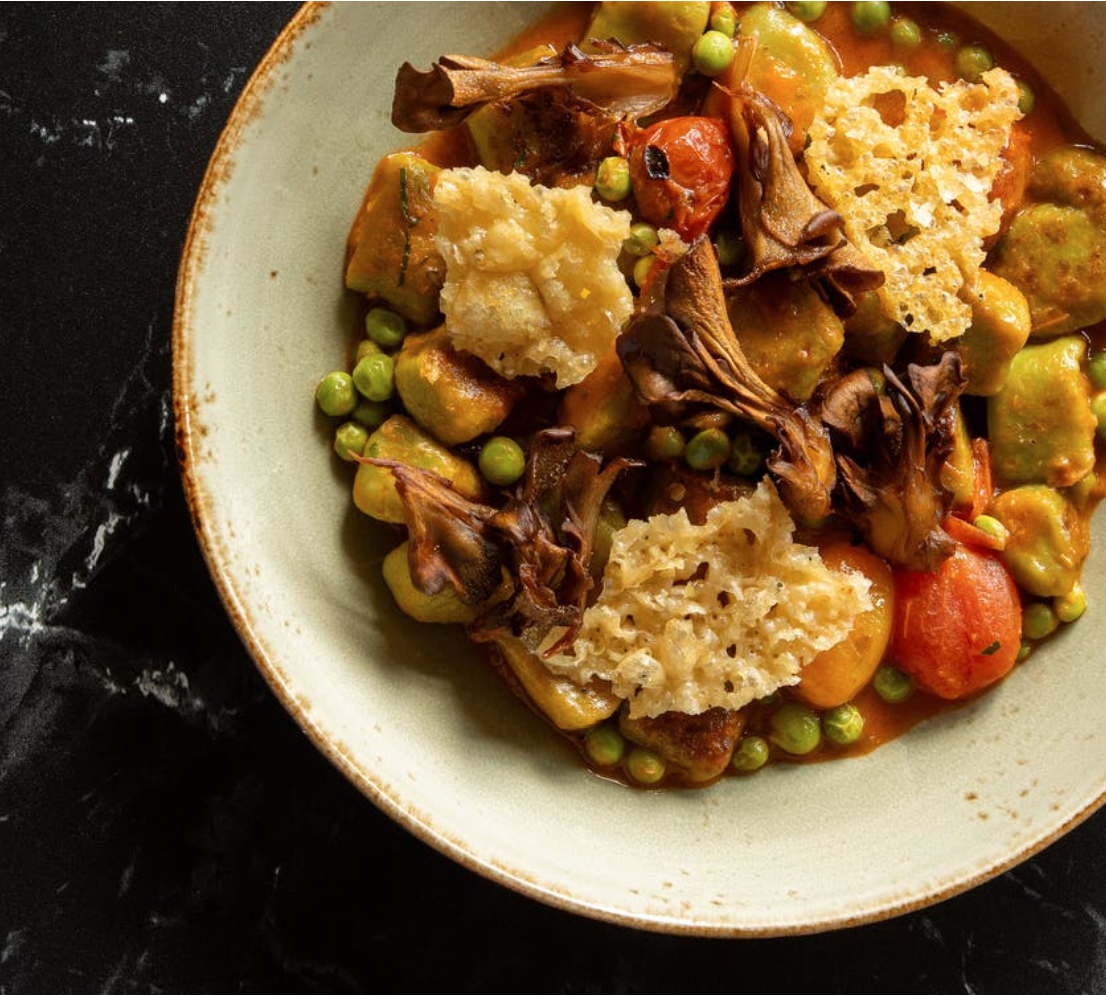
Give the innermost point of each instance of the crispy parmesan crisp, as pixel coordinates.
(912, 183)
(692, 617)
(532, 280)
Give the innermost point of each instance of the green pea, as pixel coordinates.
(1098, 409)
(870, 16)
(807, 10)
(712, 53)
(372, 414)
(502, 461)
(746, 458)
(664, 442)
(1038, 621)
(905, 33)
(992, 527)
(612, 180)
(375, 377)
(604, 745)
(385, 327)
(892, 685)
(1096, 368)
(642, 268)
(771, 699)
(335, 393)
(1027, 99)
(730, 246)
(795, 728)
(947, 40)
(751, 754)
(843, 724)
(1024, 651)
(725, 20)
(349, 440)
(1071, 606)
(707, 450)
(645, 767)
(972, 61)
(643, 239)
(366, 347)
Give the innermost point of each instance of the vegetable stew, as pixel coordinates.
(733, 373)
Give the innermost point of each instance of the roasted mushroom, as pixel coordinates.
(543, 536)
(622, 82)
(783, 223)
(682, 356)
(890, 448)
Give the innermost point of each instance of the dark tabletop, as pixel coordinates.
(164, 825)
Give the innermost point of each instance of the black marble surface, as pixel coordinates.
(163, 824)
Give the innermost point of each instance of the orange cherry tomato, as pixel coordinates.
(681, 170)
(836, 675)
(958, 629)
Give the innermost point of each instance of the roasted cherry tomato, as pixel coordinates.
(958, 629)
(681, 171)
(836, 675)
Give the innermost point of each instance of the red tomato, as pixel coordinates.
(959, 629)
(681, 170)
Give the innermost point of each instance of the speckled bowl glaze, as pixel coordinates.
(408, 712)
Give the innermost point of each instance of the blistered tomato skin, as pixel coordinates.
(681, 170)
(958, 629)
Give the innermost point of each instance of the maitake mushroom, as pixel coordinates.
(682, 357)
(621, 82)
(894, 497)
(543, 536)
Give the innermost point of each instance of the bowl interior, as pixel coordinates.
(409, 712)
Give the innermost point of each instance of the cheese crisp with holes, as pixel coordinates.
(692, 617)
(532, 279)
(912, 184)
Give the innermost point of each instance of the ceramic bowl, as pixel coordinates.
(408, 712)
